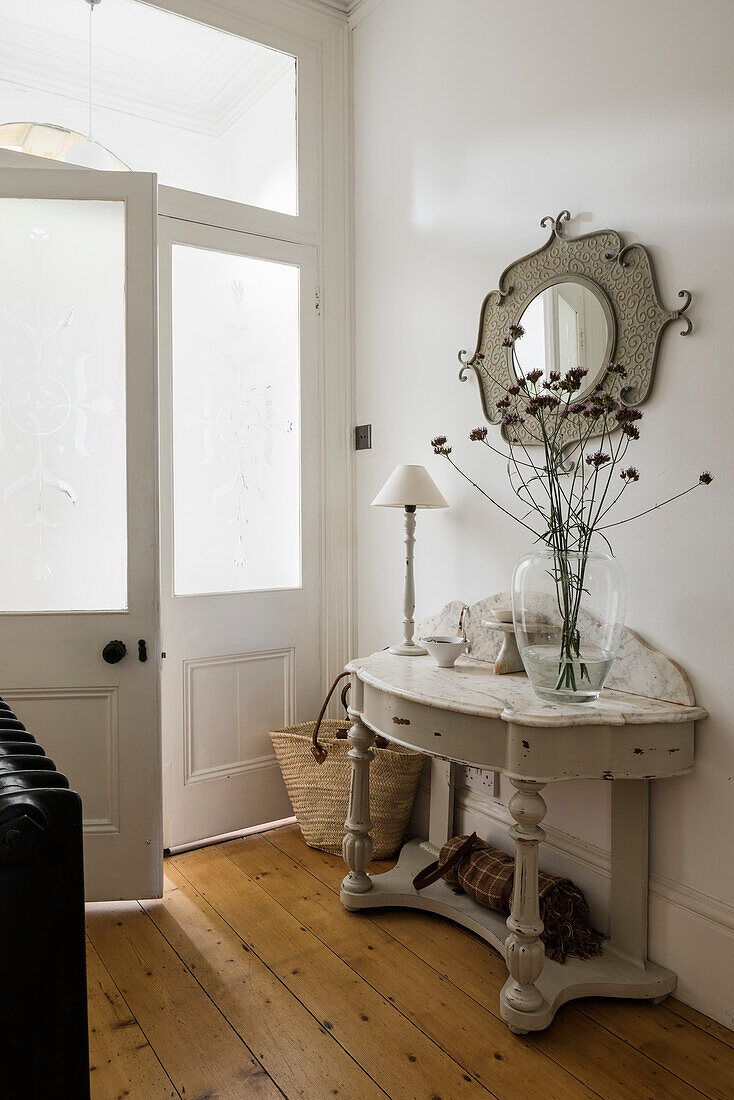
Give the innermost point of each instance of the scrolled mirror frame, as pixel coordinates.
(625, 276)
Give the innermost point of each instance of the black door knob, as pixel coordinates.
(114, 652)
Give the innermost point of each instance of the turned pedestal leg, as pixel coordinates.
(357, 844)
(525, 951)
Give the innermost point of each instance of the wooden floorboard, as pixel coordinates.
(249, 979)
(202, 1054)
(298, 1052)
(121, 1061)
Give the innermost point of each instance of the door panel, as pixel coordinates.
(230, 704)
(80, 726)
(240, 521)
(78, 441)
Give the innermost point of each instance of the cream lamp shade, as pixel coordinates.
(410, 487)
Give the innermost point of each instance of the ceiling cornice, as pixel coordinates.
(208, 100)
(344, 7)
(354, 11)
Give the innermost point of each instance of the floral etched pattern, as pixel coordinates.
(43, 414)
(236, 441)
(240, 423)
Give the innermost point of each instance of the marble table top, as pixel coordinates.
(472, 687)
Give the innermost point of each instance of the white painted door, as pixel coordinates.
(240, 534)
(78, 554)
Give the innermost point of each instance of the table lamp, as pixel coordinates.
(409, 487)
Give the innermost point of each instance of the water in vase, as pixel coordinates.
(545, 667)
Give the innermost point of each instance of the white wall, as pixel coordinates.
(473, 119)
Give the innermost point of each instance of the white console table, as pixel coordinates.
(469, 715)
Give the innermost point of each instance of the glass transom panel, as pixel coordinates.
(236, 422)
(208, 111)
(62, 405)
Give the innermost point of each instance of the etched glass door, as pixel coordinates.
(78, 500)
(240, 521)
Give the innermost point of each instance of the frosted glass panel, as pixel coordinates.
(208, 111)
(62, 405)
(236, 431)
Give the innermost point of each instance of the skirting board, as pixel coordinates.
(690, 932)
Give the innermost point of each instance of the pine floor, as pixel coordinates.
(249, 979)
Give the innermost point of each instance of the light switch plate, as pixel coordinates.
(363, 437)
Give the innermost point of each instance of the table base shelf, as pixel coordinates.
(611, 974)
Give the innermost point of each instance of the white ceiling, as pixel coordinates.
(147, 62)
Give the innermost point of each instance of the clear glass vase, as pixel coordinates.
(568, 610)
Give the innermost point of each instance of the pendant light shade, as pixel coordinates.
(89, 154)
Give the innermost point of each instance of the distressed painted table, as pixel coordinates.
(469, 715)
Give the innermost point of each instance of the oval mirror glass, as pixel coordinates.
(567, 324)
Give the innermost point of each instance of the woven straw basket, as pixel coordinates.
(317, 771)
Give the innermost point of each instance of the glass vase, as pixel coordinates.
(568, 610)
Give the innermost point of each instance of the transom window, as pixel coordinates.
(210, 112)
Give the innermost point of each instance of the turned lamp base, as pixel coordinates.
(404, 650)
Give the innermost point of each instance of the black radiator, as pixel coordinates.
(43, 995)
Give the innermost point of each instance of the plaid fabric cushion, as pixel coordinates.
(487, 875)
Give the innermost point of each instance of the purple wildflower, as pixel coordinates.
(439, 445)
(631, 431)
(572, 379)
(541, 401)
(478, 434)
(626, 416)
(607, 402)
(516, 331)
(597, 459)
(630, 474)
(705, 478)
(534, 375)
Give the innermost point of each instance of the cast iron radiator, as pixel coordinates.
(44, 1050)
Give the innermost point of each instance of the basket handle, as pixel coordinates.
(434, 871)
(318, 751)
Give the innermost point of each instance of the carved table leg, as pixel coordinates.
(525, 950)
(357, 844)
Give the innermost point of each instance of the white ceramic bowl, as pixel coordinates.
(444, 648)
(502, 614)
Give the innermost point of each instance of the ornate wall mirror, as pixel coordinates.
(582, 301)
